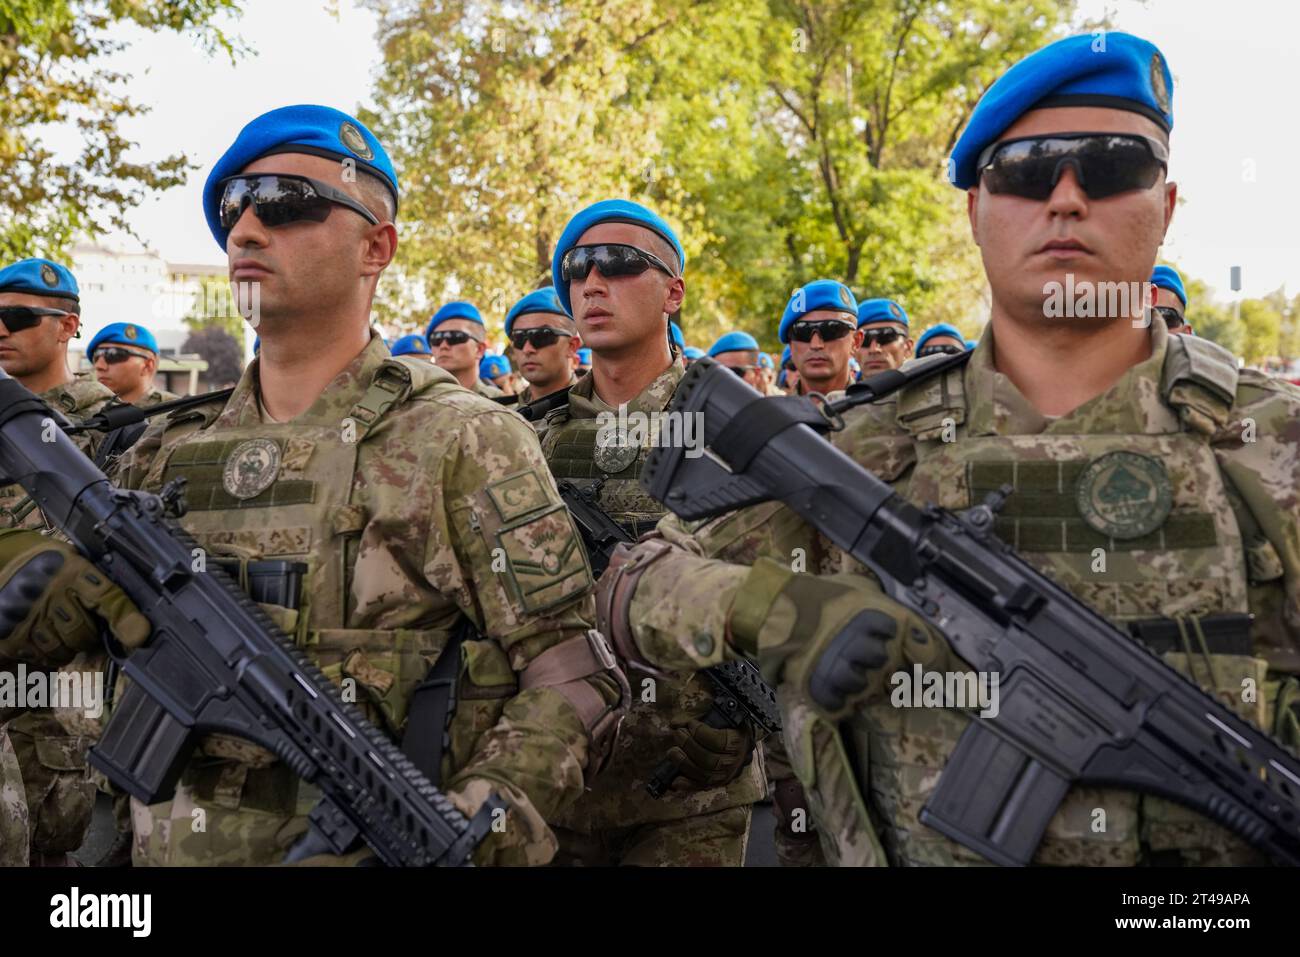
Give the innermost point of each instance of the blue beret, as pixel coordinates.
(539, 300)
(453, 310)
(942, 329)
(317, 130)
(691, 352)
(608, 211)
(764, 361)
(971, 344)
(786, 355)
(675, 334)
(412, 345)
(1166, 277)
(818, 294)
(733, 342)
(125, 334)
(584, 357)
(881, 310)
(492, 365)
(1128, 73)
(40, 277)
(257, 344)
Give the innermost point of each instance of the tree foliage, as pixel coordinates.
(52, 72)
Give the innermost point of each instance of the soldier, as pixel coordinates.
(739, 352)
(942, 339)
(459, 345)
(412, 501)
(621, 307)
(1119, 439)
(788, 379)
(545, 341)
(1171, 300)
(690, 354)
(885, 340)
(40, 313)
(820, 327)
(413, 345)
(582, 362)
(125, 358)
(495, 371)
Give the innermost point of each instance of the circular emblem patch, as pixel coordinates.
(895, 310)
(251, 468)
(613, 453)
(551, 563)
(49, 276)
(1158, 83)
(844, 296)
(1124, 495)
(351, 137)
(130, 332)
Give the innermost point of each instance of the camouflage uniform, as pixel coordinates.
(156, 396)
(1183, 430)
(617, 821)
(57, 795)
(412, 502)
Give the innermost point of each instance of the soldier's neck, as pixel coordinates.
(617, 379)
(1058, 367)
(136, 394)
(51, 377)
(467, 377)
(292, 374)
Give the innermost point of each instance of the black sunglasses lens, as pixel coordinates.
(940, 351)
(18, 318)
(1106, 165)
(829, 331)
(276, 200)
(112, 356)
(540, 338)
(1170, 315)
(612, 259)
(451, 337)
(883, 336)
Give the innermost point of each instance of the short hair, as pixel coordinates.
(376, 196)
(67, 305)
(663, 249)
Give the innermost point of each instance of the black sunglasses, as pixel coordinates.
(1104, 163)
(941, 351)
(742, 370)
(612, 259)
(281, 198)
(540, 337)
(828, 329)
(453, 337)
(114, 355)
(1173, 319)
(881, 337)
(18, 318)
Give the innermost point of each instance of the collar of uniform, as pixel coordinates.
(584, 403)
(1132, 404)
(331, 406)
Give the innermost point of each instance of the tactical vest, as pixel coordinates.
(284, 491)
(579, 450)
(1139, 526)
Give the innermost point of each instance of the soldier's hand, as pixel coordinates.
(709, 757)
(53, 603)
(837, 638)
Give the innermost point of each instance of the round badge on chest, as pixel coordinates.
(613, 452)
(251, 468)
(1124, 495)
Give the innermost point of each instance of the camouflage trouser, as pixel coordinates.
(60, 797)
(795, 834)
(718, 839)
(13, 808)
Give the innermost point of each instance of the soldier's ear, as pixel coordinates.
(380, 248)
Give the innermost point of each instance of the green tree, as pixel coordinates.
(216, 307)
(1261, 326)
(1211, 320)
(52, 72)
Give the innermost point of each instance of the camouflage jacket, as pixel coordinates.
(414, 502)
(1217, 447)
(618, 797)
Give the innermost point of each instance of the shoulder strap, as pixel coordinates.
(121, 415)
(1200, 379)
(891, 380)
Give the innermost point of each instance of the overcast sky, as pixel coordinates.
(1236, 135)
